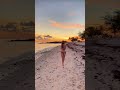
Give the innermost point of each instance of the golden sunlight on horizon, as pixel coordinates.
(48, 38)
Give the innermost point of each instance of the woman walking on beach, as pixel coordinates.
(63, 52)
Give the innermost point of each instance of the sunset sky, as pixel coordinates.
(59, 18)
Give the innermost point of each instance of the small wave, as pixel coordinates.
(39, 53)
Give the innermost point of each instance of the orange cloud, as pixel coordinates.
(66, 25)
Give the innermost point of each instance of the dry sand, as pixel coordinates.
(103, 65)
(50, 75)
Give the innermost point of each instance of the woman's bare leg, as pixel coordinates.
(62, 55)
(64, 58)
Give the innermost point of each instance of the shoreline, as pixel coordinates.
(40, 47)
(41, 52)
(47, 49)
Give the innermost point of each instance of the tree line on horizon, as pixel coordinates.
(110, 28)
(14, 26)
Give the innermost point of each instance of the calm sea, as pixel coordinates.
(14, 49)
(39, 47)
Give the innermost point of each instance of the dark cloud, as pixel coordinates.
(47, 37)
(40, 37)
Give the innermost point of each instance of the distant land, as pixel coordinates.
(54, 42)
(22, 40)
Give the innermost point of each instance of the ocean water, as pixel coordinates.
(13, 49)
(39, 47)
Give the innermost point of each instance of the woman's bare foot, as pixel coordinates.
(63, 65)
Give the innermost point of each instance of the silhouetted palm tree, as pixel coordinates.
(73, 38)
(82, 35)
(113, 21)
(92, 31)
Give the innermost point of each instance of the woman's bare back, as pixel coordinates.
(63, 52)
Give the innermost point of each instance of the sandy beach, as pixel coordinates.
(103, 64)
(50, 75)
(18, 73)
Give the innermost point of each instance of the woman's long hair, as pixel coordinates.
(62, 44)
